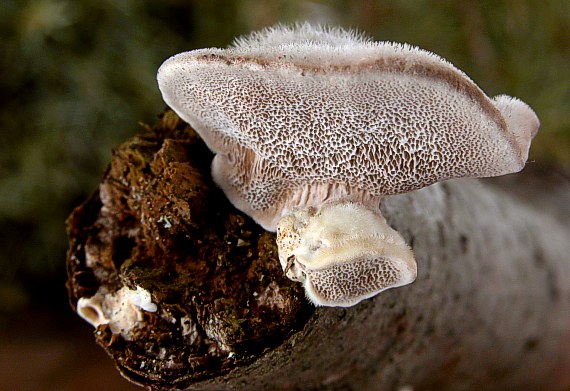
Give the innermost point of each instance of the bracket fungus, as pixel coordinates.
(311, 126)
(121, 310)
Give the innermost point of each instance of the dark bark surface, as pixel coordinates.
(490, 309)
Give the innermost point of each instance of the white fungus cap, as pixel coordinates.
(121, 310)
(343, 253)
(297, 114)
(301, 118)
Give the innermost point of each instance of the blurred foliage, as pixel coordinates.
(77, 76)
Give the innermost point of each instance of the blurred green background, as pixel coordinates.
(77, 77)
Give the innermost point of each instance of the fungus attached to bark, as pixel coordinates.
(122, 310)
(311, 126)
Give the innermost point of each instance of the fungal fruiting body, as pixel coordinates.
(311, 126)
(121, 310)
(343, 252)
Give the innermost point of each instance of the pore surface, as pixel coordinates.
(383, 132)
(337, 112)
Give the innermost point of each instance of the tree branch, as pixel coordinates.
(490, 308)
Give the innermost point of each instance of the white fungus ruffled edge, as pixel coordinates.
(121, 310)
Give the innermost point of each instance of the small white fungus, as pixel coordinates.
(121, 310)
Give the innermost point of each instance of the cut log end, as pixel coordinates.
(158, 222)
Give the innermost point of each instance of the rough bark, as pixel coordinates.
(490, 309)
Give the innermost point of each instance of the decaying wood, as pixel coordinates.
(490, 309)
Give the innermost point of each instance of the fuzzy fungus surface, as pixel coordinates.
(302, 118)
